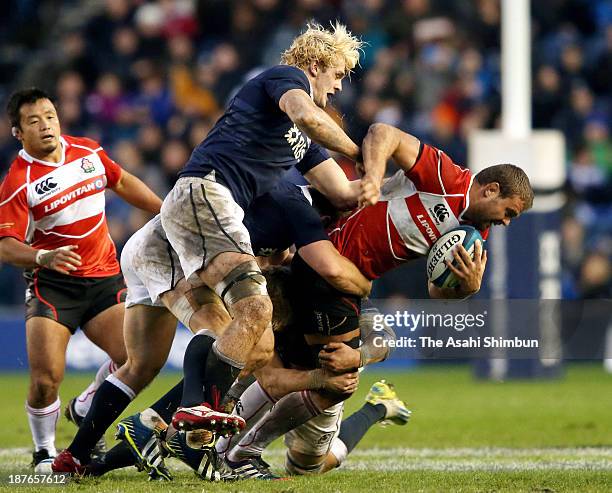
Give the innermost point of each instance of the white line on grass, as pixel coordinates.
(429, 459)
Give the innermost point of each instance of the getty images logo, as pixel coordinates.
(45, 186)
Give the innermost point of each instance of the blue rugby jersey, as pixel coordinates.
(254, 143)
(281, 218)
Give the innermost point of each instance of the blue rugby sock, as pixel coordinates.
(353, 428)
(111, 399)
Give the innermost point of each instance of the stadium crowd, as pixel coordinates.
(149, 78)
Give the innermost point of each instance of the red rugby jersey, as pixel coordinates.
(415, 209)
(49, 205)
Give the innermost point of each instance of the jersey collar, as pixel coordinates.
(467, 199)
(30, 159)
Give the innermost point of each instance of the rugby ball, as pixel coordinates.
(437, 271)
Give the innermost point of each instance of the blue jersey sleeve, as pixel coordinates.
(314, 156)
(303, 219)
(283, 79)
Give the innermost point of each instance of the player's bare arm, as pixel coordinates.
(63, 259)
(280, 381)
(337, 270)
(317, 124)
(468, 271)
(329, 179)
(384, 142)
(338, 357)
(135, 192)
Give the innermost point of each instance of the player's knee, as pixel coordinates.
(45, 386)
(254, 313)
(213, 316)
(139, 373)
(298, 464)
(241, 288)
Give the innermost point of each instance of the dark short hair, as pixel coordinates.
(512, 181)
(19, 98)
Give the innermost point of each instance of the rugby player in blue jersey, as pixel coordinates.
(274, 122)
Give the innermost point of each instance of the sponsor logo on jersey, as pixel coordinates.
(440, 213)
(6, 225)
(45, 186)
(298, 142)
(427, 227)
(324, 438)
(77, 192)
(267, 252)
(87, 165)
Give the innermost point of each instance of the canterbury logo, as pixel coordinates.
(45, 186)
(441, 212)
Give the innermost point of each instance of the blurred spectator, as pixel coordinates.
(148, 78)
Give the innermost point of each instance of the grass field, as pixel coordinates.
(465, 435)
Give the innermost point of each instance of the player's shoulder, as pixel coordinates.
(284, 73)
(16, 173)
(82, 142)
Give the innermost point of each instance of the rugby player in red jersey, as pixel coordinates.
(426, 198)
(53, 224)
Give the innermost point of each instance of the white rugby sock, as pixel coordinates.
(42, 424)
(288, 413)
(83, 401)
(251, 406)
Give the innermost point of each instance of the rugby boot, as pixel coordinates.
(66, 463)
(396, 411)
(251, 468)
(140, 432)
(196, 449)
(204, 418)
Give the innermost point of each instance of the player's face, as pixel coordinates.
(327, 81)
(493, 209)
(40, 129)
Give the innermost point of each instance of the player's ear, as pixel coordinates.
(313, 68)
(491, 189)
(16, 131)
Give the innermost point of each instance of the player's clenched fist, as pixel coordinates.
(343, 383)
(370, 191)
(62, 259)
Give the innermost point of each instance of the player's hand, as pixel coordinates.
(343, 383)
(370, 191)
(63, 259)
(338, 357)
(469, 271)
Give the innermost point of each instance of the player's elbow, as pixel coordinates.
(5, 249)
(331, 272)
(379, 129)
(305, 119)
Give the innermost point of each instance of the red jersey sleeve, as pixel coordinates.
(435, 172)
(113, 170)
(14, 211)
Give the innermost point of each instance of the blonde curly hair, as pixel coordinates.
(323, 46)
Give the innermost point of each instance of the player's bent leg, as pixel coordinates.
(46, 342)
(298, 464)
(105, 330)
(261, 354)
(244, 293)
(148, 333)
(197, 308)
